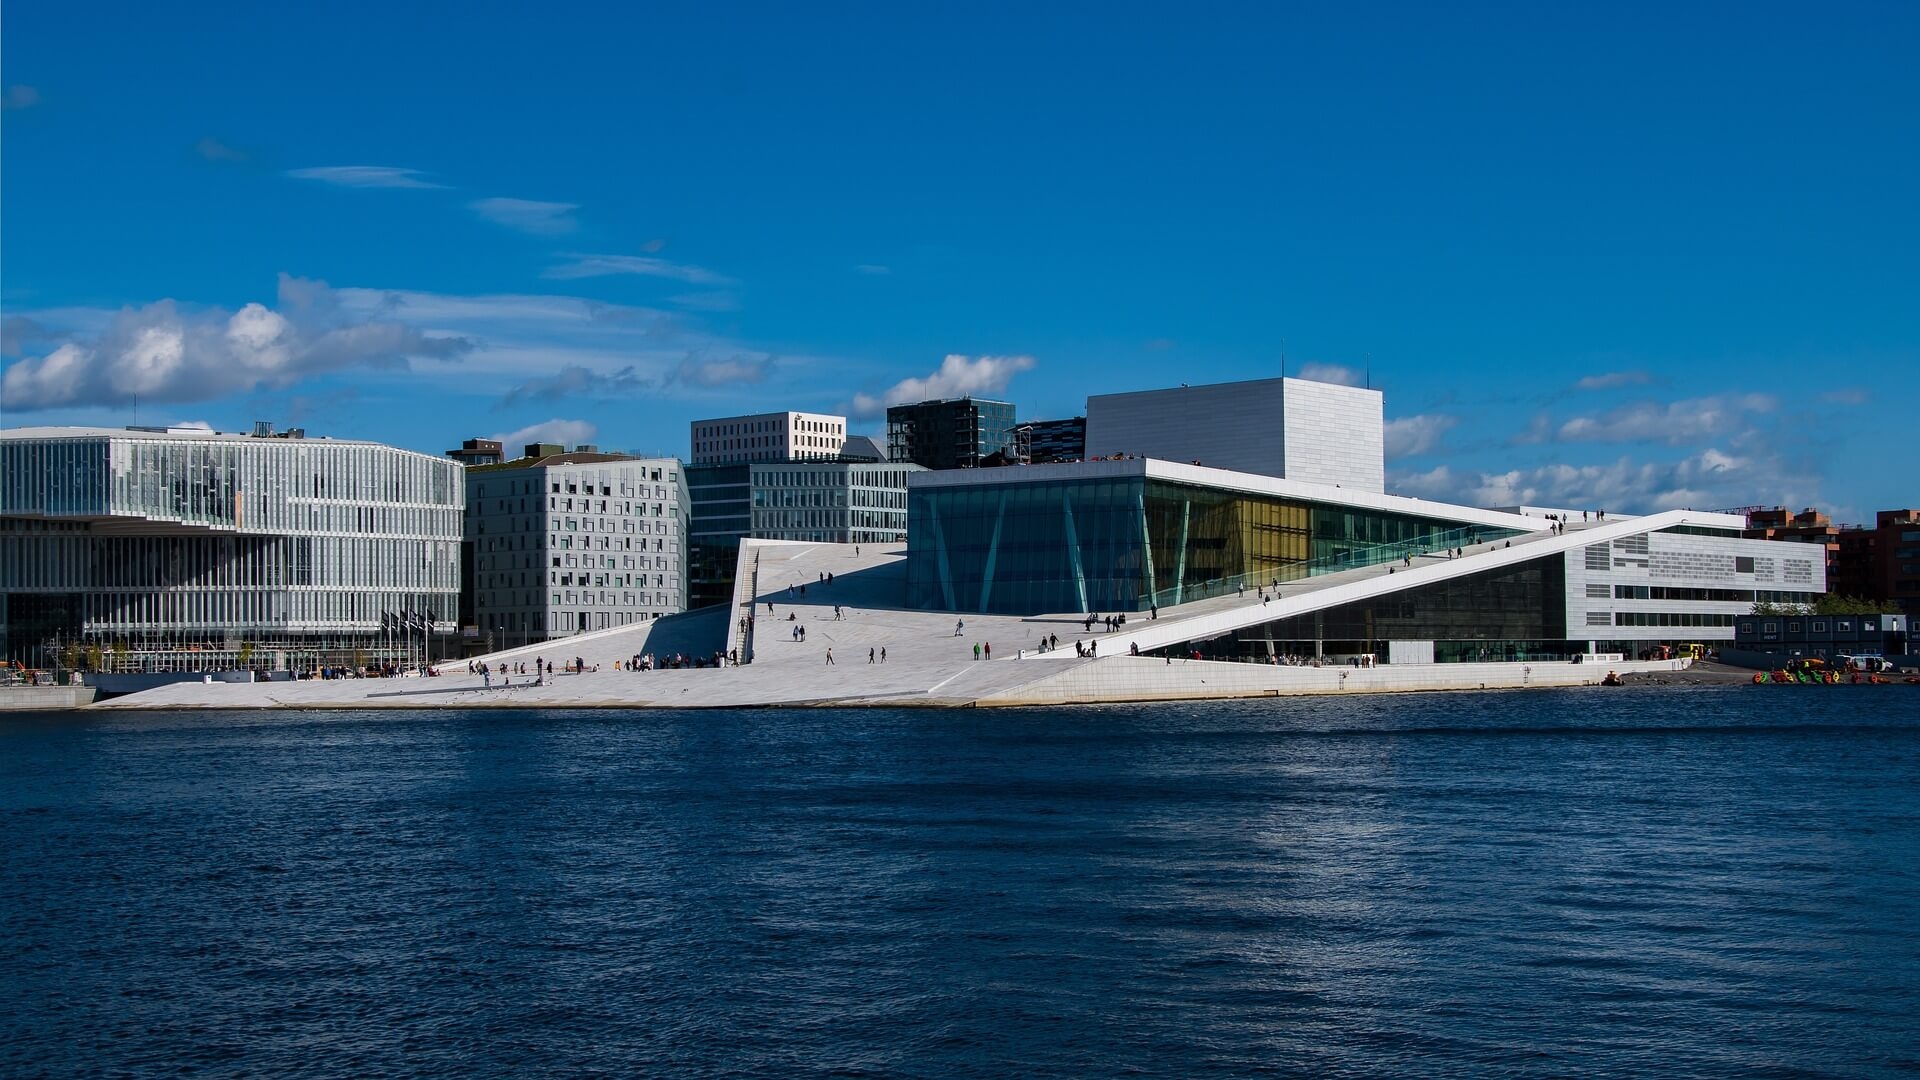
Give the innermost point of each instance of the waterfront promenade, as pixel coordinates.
(926, 662)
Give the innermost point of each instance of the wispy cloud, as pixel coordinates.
(20, 96)
(586, 266)
(166, 351)
(712, 371)
(1408, 436)
(213, 149)
(1851, 396)
(1703, 480)
(875, 269)
(528, 215)
(719, 300)
(556, 430)
(365, 176)
(1329, 373)
(1613, 380)
(576, 379)
(957, 376)
(1677, 422)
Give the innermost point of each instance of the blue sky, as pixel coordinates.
(1628, 256)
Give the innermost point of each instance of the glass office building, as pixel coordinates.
(1126, 535)
(189, 550)
(833, 502)
(952, 433)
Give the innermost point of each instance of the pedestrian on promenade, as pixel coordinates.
(1153, 611)
(870, 654)
(829, 654)
(989, 650)
(959, 626)
(976, 650)
(883, 654)
(486, 676)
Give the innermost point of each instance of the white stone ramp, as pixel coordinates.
(926, 661)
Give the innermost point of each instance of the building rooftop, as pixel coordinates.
(185, 433)
(571, 457)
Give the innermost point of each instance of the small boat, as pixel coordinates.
(1612, 679)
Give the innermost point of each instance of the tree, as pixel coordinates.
(1834, 604)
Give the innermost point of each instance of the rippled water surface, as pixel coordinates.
(1654, 882)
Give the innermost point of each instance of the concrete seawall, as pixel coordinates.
(39, 698)
(1140, 678)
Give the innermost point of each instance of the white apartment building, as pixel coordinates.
(779, 436)
(562, 543)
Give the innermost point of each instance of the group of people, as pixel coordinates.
(507, 671)
(1111, 622)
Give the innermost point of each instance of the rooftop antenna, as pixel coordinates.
(1369, 371)
(1283, 358)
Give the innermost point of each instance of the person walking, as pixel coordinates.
(976, 650)
(883, 654)
(1153, 611)
(959, 626)
(829, 655)
(486, 676)
(870, 654)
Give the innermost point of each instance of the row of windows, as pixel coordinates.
(1670, 618)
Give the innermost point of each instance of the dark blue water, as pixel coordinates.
(1652, 882)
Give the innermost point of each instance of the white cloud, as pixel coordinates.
(1612, 380)
(1676, 422)
(1329, 373)
(20, 96)
(1410, 435)
(167, 352)
(528, 215)
(957, 376)
(875, 269)
(1850, 396)
(585, 266)
(365, 176)
(567, 432)
(1709, 479)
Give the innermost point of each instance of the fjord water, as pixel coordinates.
(1648, 881)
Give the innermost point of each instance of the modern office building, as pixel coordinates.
(831, 502)
(566, 542)
(779, 436)
(1319, 433)
(841, 502)
(183, 549)
(479, 452)
(1047, 442)
(1128, 535)
(952, 433)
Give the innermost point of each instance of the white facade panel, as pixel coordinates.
(1668, 586)
(1319, 433)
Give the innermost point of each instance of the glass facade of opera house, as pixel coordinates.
(188, 551)
(1112, 536)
